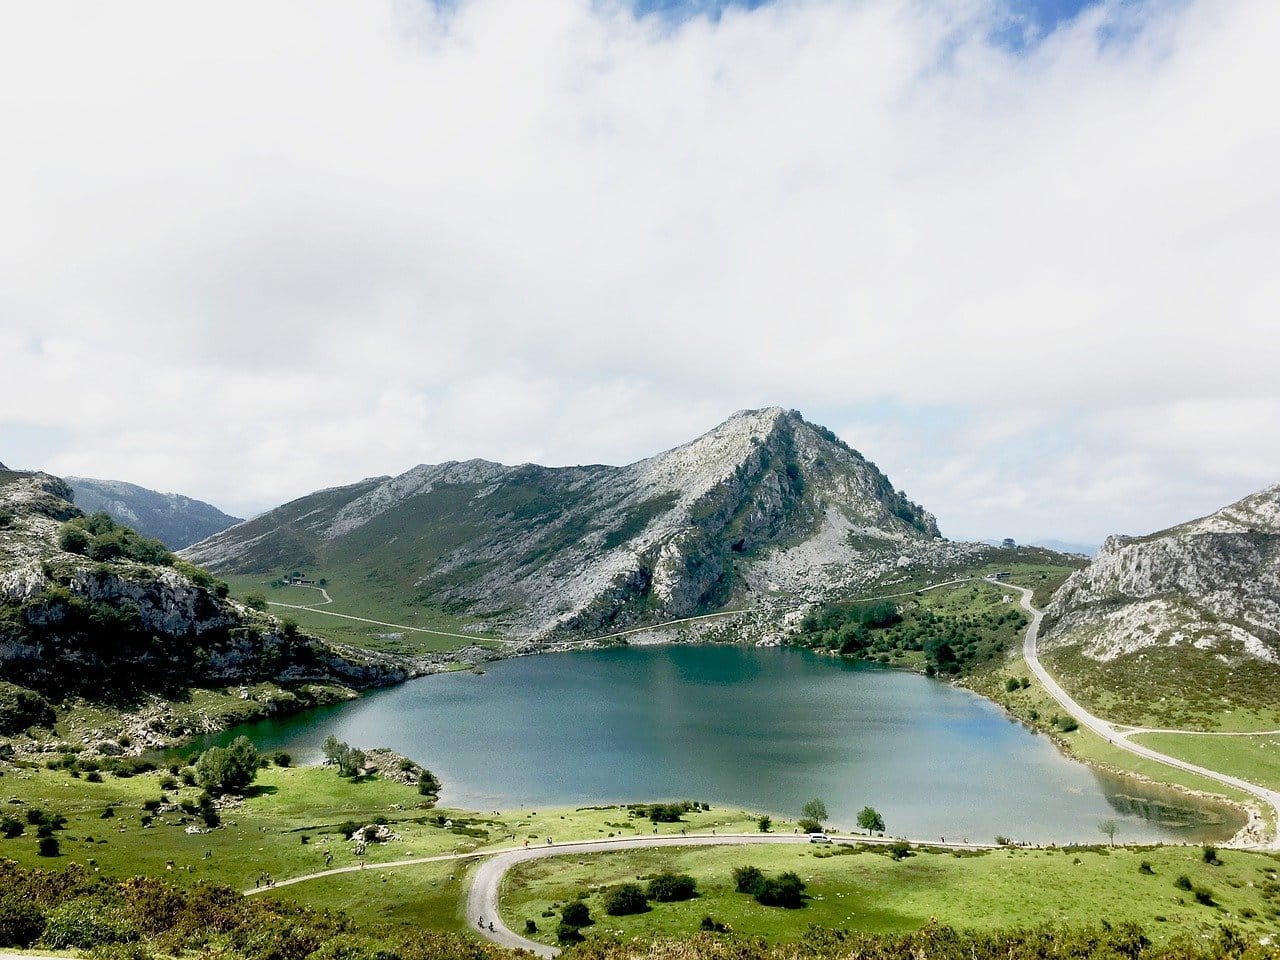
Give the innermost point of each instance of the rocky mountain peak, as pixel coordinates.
(1202, 596)
(764, 498)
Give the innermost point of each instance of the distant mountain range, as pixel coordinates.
(174, 520)
(765, 502)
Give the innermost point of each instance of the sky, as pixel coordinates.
(1023, 255)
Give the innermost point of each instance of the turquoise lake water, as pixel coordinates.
(761, 728)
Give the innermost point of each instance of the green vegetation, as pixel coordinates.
(228, 769)
(948, 631)
(869, 819)
(625, 899)
(372, 595)
(141, 917)
(870, 890)
(348, 759)
(1178, 687)
(98, 537)
(1254, 758)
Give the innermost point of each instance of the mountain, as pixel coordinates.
(1191, 613)
(174, 520)
(91, 609)
(764, 502)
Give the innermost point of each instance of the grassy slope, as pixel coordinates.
(265, 834)
(868, 891)
(1181, 688)
(371, 600)
(1255, 758)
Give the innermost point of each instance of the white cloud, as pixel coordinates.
(258, 248)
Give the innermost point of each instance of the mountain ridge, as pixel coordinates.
(761, 501)
(176, 520)
(1200, 600)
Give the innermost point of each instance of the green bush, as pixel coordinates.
(784, 890)
(98, 537)
(1183, 882)
(748, 880)
(624, 899)
(567, 933)
(668, 887)
(21, 708)
(21, 922)
(576, 914)
(84, 924)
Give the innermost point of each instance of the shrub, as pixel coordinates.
(11, 827)
(624, 899)
(810, 826)
(281, 759)
(93, 776)
(900, 850)
(711, 925)
(1145, 867)
(255, 601)
(530, 926)
(748, 879)
(85, 924)
(765, 824)
(784, 890)
(1011, 685)
(567, 933)
(576, 914)
(1205, 897)
(1183, 882)
(668, 887)
(49, 846)
(21, 922)
(1210, 856)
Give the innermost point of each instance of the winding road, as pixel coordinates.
(484, 894)
(1118, 737)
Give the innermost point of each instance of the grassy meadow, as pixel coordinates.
(868, 891)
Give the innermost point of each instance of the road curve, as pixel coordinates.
(483, 898)
(1109, 731)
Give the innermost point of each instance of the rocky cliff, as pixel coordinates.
(764, 502)
(1197, 605)
(174, 520)
(115, 627)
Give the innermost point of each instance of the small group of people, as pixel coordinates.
(481, 923)
(263, 880)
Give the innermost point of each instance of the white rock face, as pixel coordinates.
(1212, 584)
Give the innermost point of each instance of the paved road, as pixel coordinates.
(1109, 731)
(482, 900)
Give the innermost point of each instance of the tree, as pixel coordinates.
(869, 819)
(815, 809)
(228, 769)
(626, 898)
(345, 757)
(1108, 829)
(765, 824)
(49, 847)
(576, 914)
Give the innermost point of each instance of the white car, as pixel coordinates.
(819, 838)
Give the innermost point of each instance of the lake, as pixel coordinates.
(762, 728)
